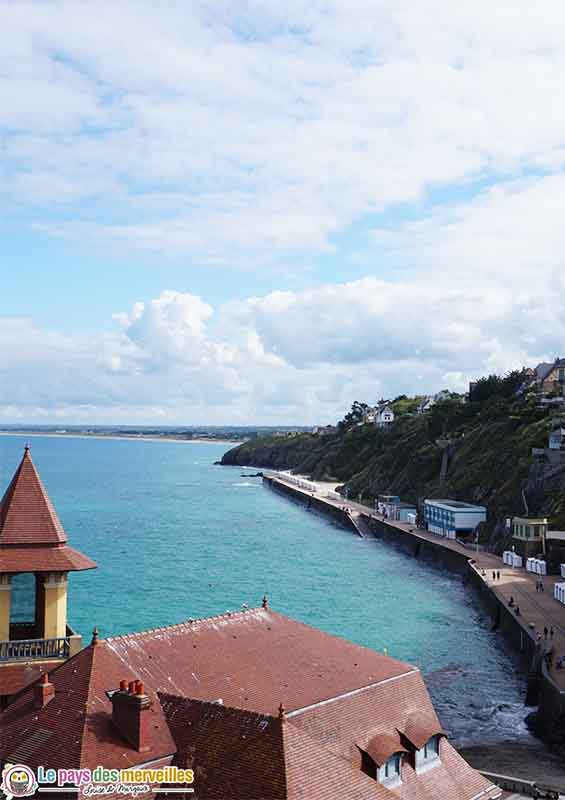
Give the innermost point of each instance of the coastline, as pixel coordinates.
(115, 436)
(518, 636)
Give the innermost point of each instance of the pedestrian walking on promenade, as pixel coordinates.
(541, 586)
(545, 632)
(493, 575)
(498, 575)
(551, 632)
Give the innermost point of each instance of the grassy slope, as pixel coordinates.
(490, 465)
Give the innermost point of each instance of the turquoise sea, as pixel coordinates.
(175, 537)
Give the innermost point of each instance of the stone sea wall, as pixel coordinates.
(549, 719)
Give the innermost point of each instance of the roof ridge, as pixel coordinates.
(91, 648)
(187, 623)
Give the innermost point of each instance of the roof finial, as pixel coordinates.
(265, 602)
(27, 448)
(282, 712)
(94, 636)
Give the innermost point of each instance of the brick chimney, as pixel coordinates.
(130, 706)
(43, 692)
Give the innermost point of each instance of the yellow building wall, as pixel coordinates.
(55, 620)
(5, 603)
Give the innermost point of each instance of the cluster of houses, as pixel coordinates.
(547, 379)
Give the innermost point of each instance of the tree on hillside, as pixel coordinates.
(353, 417)
(485, 389)
(447, 415)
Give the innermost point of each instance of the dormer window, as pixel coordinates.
(389, 773)
(428, 755)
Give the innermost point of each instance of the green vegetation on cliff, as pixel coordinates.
(485, 446)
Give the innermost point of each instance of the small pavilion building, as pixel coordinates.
(32, 540)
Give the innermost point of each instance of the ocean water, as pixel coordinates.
(175, 537)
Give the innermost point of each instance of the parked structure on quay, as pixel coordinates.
(451, 517)
(258, 705)
(533, 539)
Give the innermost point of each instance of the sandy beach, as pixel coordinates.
(132, 437)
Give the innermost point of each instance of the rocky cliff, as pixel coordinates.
(481, 460)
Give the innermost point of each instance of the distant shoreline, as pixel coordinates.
(137, 437)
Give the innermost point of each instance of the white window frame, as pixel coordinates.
(390, 773)
(428, 756)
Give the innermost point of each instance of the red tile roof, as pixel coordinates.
(382, 746)
(27, 515)
(340, 698)
(247, 756)
(15, 677)
(79, 718)
(225, 657)
(43, 559)
(32, 538)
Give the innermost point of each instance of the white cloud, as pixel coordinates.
(282, 358)
(228, 130)
(248, 132)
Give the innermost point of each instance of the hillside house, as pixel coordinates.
(551, 377)
(384, 415)
(426, 403)
(557, 439)
(324, 430)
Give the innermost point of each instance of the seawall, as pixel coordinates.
(443, 554)
(311, 502)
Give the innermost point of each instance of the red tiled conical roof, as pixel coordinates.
(32, 538)
(27, 515)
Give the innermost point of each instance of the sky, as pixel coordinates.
(258, 212)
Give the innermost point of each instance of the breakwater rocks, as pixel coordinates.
(548, 722)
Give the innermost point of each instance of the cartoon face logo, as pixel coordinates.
(18, 781)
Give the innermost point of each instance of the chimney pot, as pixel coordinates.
(129, 707)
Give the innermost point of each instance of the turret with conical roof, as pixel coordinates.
(32, 540)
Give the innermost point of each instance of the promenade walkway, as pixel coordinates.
(538, 610)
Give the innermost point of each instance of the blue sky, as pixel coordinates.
(255, 212)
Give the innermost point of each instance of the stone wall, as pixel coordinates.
(549, 720)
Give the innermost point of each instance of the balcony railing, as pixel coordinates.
(32, 649)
